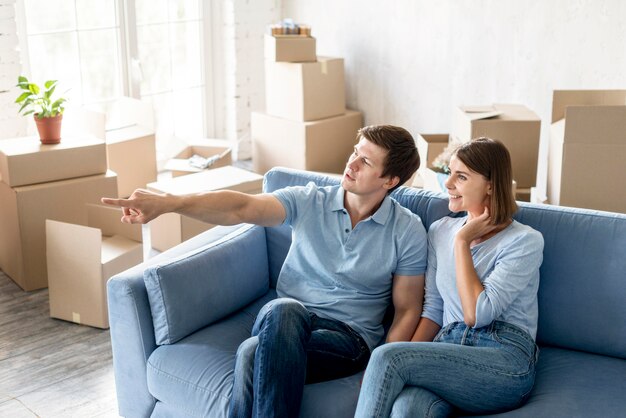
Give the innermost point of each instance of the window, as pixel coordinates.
(104, 49)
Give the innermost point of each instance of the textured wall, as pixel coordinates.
(11, 123)
(409, 62)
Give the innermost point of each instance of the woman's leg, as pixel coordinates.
(419, 402)
(479, 371)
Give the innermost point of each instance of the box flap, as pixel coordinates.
(563, 98)
(107, 219)
(127, 133)
(480, 112)
(70, 247)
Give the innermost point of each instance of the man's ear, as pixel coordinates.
(391, 182)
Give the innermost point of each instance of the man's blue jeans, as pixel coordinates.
(290, 346)
(479, 371)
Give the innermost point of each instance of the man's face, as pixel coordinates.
(364, 168)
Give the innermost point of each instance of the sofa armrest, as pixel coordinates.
(132, 331)
(204, 286)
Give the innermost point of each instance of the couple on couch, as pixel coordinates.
(465, 298)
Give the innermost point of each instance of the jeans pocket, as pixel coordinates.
(516, 341)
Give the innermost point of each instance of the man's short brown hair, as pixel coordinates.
(402, 159)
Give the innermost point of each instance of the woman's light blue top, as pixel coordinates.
(507, 264)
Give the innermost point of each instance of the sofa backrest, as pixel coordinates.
(582, 293)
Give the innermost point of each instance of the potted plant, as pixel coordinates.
(48, 111)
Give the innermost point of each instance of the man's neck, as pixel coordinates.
(361, 207)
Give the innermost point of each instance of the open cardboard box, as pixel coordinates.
(171, 229)
(429, 147)
(206, 148)
(82, 258)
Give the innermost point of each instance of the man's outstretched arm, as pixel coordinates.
(224, 207)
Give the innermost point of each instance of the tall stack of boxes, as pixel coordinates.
(42, 182)
(587, 150)
(306, 124)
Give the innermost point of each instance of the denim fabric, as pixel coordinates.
(477, 370)
(291, 346)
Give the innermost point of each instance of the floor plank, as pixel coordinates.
(48, 367)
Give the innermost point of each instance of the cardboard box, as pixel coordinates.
(290, 48)
(587, 155)
(322, 145)
(523, 194)
(26, 161)
(305, 91)
(516, 126)
(429, 147)
(206, 148)
(82, 258)
(171, 229)
(537, 197)
(131, 153)
(23, 212)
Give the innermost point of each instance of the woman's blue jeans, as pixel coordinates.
(290, 346)
(479, 371)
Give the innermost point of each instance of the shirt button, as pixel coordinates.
(347, 230)
(345, 213)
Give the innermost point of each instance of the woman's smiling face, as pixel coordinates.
(468, 191)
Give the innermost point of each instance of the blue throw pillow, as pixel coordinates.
(196, 290)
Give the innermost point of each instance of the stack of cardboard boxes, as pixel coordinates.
(42, 182)
(306, 124)
(587, 150)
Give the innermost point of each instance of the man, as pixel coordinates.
(353, 249)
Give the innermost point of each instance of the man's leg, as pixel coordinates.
(283, 330)
(243, 396)
(334, 351)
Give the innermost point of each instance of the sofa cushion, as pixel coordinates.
(575, 384)
(195, 290)
(194, 377)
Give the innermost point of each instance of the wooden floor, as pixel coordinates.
(49, 367)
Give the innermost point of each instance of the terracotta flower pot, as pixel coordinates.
(49, 129)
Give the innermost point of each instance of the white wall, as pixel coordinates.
(11, 123)
(409, 62)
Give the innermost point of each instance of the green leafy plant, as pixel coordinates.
(39, 101)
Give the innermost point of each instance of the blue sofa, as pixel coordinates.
(177, 319)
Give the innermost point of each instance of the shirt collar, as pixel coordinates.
(380, 216)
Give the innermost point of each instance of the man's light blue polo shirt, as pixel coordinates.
(342, 273)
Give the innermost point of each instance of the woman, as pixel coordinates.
(481, 287)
